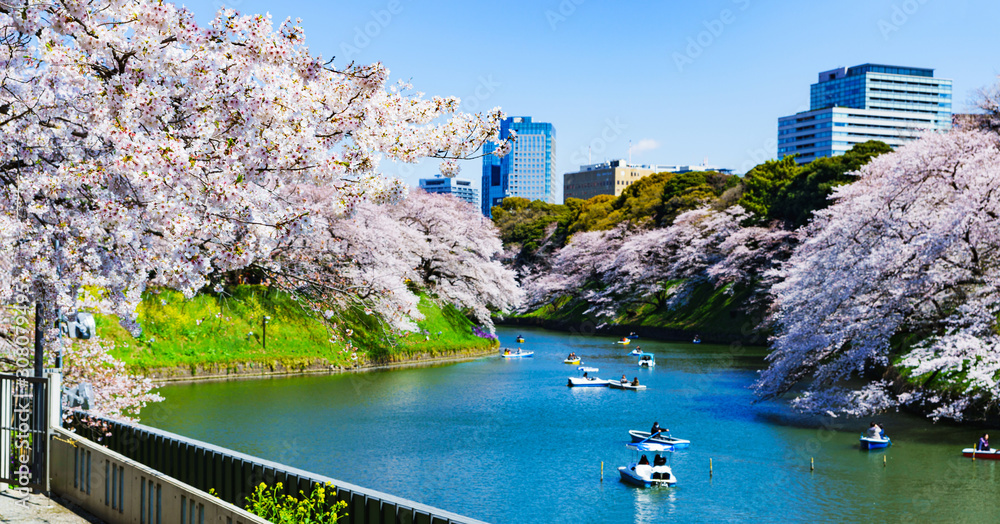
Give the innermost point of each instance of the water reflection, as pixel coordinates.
(654, 504)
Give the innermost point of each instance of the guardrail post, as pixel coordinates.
(55, 400)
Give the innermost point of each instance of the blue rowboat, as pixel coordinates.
(643, 436)
(875, 443)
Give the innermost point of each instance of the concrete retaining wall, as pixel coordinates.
(117, 489)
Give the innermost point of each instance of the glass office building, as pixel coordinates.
(528, 171)
(459, 187)
(848, 106)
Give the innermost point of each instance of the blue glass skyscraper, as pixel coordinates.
(851, 105)
(528, 171)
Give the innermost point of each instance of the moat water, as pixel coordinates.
(507, 441)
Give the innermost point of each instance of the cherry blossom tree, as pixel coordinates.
(138, 148)
(586, 258)
(989, 104)
(750, 256)
(160, 152)
(617, 268)
(456, 254)
(357, 262)
(370, 260)
(664, 265)
(910, 248)
(118, 393)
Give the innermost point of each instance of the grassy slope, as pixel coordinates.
(707, 310)
(443, 331)
(212, 330)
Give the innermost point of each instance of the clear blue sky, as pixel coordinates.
(605, 73)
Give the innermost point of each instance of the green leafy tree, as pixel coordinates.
(810, 190)
(637, 203)
(589, 213)
(531, 224)
(762, 184)
(686, 191)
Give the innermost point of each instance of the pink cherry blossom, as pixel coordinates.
(908, 248)
(156, 152)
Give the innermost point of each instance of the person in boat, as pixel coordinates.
(506, 351)
(984, 443)
(635, 381)
(644, 460)
(657, 429)
(585, 375)
(659, 460)
(874, 430)
(624, 379)
(638, 349)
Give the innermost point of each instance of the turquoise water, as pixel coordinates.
(507, 441)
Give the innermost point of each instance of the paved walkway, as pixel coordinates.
(40, 509)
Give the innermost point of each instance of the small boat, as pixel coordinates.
(573, 361)
(617, 384)
(636, 352)
(624, 341)
(644, 474)
(643, 436)
(585, 380)
(515, 353)
(697, 340)
(993, 454)
(875, 443)
(520, 340)
(632, 336)
(647, 360)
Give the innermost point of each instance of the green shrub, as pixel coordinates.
(270, 504)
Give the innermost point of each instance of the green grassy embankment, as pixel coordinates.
(708, 311)
(215, 334)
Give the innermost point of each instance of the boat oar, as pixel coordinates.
(649, 437)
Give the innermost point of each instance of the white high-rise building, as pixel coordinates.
(866, 102)
(460, 187)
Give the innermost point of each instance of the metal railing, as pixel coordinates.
(23, 431)
(233, 475)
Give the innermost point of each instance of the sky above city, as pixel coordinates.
(682, 82)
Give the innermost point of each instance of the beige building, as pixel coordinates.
(606, 178)
(611, 178)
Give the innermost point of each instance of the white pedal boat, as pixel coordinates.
(585, 380)
(645, 474)
(515, 353)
